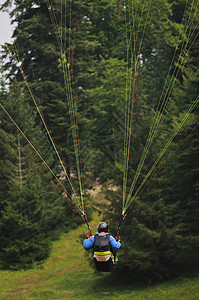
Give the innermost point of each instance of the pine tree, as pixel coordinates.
(36, 46)
(32, 210)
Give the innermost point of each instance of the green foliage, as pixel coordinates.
(32, 211)
(160, 235)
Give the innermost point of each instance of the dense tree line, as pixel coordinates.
(102, 38)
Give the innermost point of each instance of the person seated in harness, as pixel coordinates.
(104, 248)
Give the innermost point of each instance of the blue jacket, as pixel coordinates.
(89, 243)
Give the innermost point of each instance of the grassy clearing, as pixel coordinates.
(67, 275)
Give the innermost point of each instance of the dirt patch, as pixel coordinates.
(97, 192)
(17, 291)
(97, 188)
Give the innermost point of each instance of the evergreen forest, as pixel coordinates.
(101, 91)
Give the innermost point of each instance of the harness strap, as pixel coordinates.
(103, 253)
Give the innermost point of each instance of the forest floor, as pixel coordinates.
(68, 274)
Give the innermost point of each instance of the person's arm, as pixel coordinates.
(88, 243)
(114, 244)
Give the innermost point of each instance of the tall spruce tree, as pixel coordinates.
(36, 45)
(32, 210)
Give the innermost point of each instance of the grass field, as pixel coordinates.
(67, 275)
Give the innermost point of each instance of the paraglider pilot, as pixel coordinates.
(104, 248)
